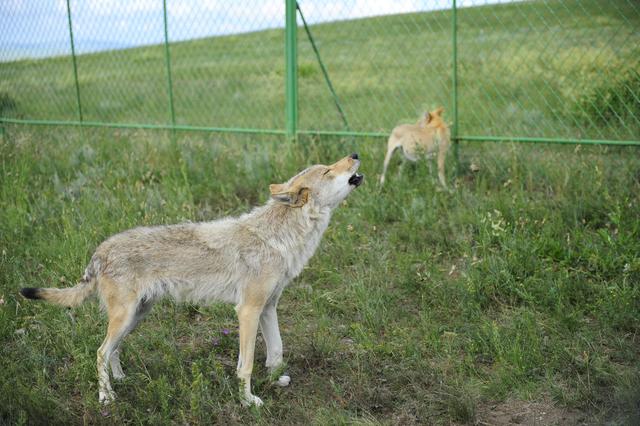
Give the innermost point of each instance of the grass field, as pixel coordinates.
(514, 298)
(420, 306)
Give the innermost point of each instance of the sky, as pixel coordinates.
(39, 28)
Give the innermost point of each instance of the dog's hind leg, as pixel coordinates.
(271, 334)
(116, 368)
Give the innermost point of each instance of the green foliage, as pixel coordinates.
(7, 104)
(615, 99)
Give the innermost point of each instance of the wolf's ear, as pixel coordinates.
(438, 111)
(428, 117)
(277, 188)
(293, 197)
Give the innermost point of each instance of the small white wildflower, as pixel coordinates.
(452, 270)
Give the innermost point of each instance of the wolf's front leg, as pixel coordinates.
(271, 334)
(249, 316)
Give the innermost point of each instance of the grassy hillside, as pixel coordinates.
(546, 69)
(512, 299)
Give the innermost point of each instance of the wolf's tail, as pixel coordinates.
(72, 296)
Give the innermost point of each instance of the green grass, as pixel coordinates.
(420, 306)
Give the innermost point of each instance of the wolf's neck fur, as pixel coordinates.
(293, 232)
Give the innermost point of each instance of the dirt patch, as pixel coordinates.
(515, 412)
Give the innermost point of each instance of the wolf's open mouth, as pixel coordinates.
(356, 179)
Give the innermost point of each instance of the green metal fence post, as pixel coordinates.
(291, 54)
(75, 66)
(172, 111)
(454, 78)
(167, 58)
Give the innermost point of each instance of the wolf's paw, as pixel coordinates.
(250, 400)
(106, 397)
(283, 381)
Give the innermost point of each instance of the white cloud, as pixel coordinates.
(98, 24)
(110, 7)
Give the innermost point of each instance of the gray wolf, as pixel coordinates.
(428, 135)
(246, 260)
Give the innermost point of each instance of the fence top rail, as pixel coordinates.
(337, 133)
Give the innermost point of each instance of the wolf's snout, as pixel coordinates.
(355, 156)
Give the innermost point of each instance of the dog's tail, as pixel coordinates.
(72, 296)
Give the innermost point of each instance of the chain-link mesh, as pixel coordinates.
(554, 69)
(120, 85)
(536, 69)
(126, 73)
(544, 69)
(231, 81)
(33, 89)
(387, 66)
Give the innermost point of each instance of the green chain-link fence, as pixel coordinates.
(531, 71)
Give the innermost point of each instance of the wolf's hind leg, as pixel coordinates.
(271, 334)
(121, 309)
(119, 319)
(116, 368)
(391, 147)
(430, 165)
(442, 156)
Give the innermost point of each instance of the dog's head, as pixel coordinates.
(326, 186)
(434, 118)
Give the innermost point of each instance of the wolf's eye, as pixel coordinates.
(326, 171)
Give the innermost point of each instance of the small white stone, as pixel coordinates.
(283, 381)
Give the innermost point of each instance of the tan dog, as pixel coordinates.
(246, 260)
(428, 135)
